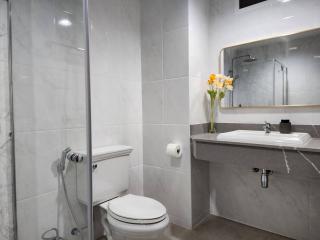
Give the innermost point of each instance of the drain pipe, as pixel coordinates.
(264, 176)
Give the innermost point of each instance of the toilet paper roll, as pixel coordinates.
(174, 150)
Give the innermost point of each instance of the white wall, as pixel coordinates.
(165, 91)
(199, 59)
(229, 26)
(116, 79)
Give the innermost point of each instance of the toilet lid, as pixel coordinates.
(137, 209)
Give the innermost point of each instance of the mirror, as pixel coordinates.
(281, 71)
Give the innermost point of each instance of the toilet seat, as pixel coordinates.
(122, 230)
(135, 209)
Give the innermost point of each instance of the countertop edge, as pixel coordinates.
(211, 138)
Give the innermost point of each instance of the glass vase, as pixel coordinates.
(212, 128)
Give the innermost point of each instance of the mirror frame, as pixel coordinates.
(220, 66)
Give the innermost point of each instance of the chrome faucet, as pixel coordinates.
(267, 127)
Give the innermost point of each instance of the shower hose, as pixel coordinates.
(69, 203)
(53, 233)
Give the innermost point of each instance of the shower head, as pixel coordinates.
(247, 59)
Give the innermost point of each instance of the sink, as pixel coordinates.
(294, 139)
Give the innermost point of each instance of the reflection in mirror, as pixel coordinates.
(280, 71)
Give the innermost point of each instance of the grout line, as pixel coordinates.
(38, 196)
(49, 130)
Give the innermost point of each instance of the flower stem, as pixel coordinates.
(212, 128)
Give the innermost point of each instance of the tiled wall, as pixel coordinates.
(116, 79)
(290, 206)
(6, 214)
(165, 92)
(49, 90)
(199, 59)
(230, 26)
(199, 19)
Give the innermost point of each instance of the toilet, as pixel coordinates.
(124, 216)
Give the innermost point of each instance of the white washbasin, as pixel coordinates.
(260, 137)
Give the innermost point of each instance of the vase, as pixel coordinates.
(212, 128)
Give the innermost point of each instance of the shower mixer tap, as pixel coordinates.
(75, 157)
(69, 155)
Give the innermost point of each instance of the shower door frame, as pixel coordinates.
(85, 4)
(88, 114)
(12, 133)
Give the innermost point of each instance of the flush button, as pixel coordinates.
(94, 166)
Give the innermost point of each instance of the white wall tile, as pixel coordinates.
(175, 53)
(199, 59)
(152, 55)
(152, 40)
(176, 95)
(134, 181)
(199, 100)
(131, 98)
(36, 215)
(175, 14)
(116, 79)
(153, 102)
(178, 134)
(133, 137)
(166, 105)
(169, 188)
(153, 145)
(106, 100)
(36, 158)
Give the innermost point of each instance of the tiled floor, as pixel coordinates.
(217, 228)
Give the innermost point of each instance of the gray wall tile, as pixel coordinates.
(175, 53)
(176, 97)
(282, 208)
(175, 14)
(153, 102)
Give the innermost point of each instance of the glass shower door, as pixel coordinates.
(50, 115)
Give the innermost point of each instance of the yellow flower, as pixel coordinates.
(219, 84)
(212, 77)
(220, 76)
(229, 87)
(229, 81)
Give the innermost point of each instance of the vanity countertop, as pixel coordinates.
(312, 145)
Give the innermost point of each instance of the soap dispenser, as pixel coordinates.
(285, 126)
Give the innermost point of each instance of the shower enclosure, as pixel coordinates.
(265, 79)
(280, 83)
(44, 109)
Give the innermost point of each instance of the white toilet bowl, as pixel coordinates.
(132, 217)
